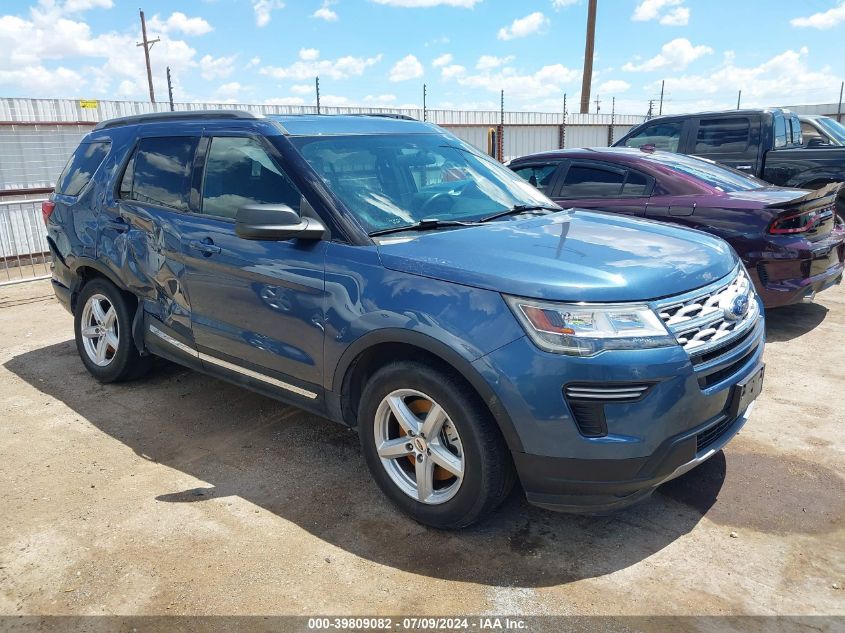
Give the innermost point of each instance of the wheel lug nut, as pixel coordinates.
(428, 451)
(420, 457)
(409, 447)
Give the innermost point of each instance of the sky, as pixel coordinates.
(381, 52)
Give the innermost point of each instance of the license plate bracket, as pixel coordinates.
(746, 391)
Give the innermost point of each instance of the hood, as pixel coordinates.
(573, 255)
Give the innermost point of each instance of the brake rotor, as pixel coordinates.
(419, 408)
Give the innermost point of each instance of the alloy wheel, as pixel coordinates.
(100, 332)
(419, 446)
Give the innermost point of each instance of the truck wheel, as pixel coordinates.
(103, 328)
(431, 445)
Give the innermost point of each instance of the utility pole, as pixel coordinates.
(598, 104)
(500, 150)
(562, 139)
(589, 47)
(650, 109)
(317, 87)
(839, 110)
(169, 89)
(738, 99)
(148, 44)
(662, 86)
(425, 113)
(612, 121)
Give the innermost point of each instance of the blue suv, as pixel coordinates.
(382, 273)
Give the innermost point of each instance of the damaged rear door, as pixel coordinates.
(141, 233)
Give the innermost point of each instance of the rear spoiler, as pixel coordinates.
(828, 191)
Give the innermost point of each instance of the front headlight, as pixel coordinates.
(583, 329)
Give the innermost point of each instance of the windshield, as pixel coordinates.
(833, 128)
(395, 180)
(718, 176)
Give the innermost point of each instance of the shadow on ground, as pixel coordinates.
(308, 470)
(789, 322)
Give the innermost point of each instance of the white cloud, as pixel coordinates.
(108, 64)
(557, 5)
(409, 67)
(309, 54)
(443, 60)
(823, 19)
(228, 92)
(545, 82)
(325, 13)
(309, 66)
(668, 12)
(303, 89)
(216, 67)
(761, 85)
(464, 4)
(488, 62)
(522, 27)
(452, 71)
(74, 6)
(179, 22)
(380, 100)
(253, 62)
(263, 9)
(677, 55)
(613, 87)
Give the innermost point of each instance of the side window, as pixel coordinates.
(541, 176)
(239, 171)
(780, 130)
(665, 136)
(809, 132)
(81, 168)
(730, 135)
(636, 185)
(795, 124)
(592, 182)
(160, 172)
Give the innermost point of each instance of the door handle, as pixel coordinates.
(206, 246)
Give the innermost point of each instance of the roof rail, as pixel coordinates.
(385, 115)
(186, 115)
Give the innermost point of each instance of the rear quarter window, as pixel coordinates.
(81, 167)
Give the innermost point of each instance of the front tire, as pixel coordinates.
(103, 328)
(431, 445)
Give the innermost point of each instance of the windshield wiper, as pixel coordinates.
(426, 224)
(520, 208)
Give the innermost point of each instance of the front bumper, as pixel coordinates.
(600, 486)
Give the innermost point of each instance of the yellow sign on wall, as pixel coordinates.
(88, 103)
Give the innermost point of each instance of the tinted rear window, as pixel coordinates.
(718, 176)
(160, 172)
(81, 167)
(724, 136)
(591, 182)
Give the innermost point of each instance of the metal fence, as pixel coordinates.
(24, 254)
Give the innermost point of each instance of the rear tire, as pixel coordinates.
(463, 463)
(102, 325)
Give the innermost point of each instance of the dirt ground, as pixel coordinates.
(182, 494)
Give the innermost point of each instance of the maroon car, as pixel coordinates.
(789, 239)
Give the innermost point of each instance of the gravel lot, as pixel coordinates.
(181, 494)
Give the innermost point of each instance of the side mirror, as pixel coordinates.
(275, 222)
(817, 141)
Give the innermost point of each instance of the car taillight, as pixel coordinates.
(796, 223)
(47, 209)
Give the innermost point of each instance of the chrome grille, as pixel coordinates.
(701, 320)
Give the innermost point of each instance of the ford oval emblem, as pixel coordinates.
(737, 309)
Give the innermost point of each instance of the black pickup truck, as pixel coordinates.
(763, 143)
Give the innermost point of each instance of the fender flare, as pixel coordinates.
(444, 353)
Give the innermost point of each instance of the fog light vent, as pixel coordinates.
(587, 402)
